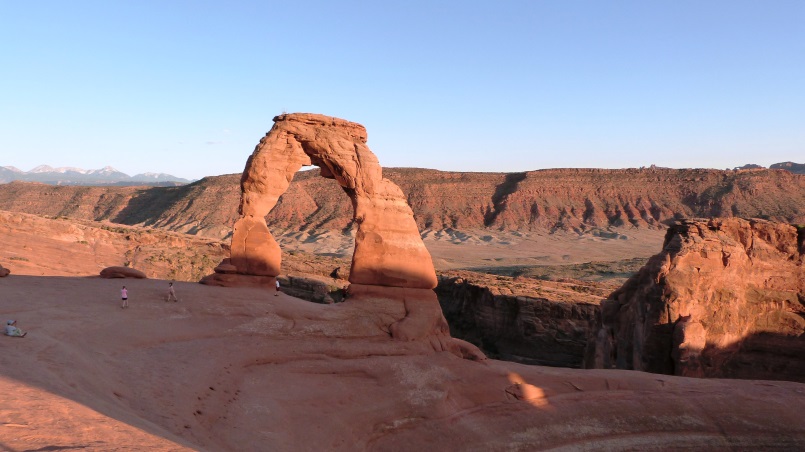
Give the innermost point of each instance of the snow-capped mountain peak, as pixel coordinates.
(77, 176)
(65, 169)
(104, 170)
(41, 169)
(151, 176)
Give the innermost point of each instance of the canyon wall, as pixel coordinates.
(567, 199)
(725, 298)
(511, 321)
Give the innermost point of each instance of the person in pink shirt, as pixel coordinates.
(124, 294)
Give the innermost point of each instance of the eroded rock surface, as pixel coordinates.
(388, 248)
(724, 298)
(564, 199)
(390, 264)
(238, 369)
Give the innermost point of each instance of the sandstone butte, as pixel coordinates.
(390, 263)
(725, 298)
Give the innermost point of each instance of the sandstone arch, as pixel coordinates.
(388, 248)
(392, 274)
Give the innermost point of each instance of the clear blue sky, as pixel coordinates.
(189, 87)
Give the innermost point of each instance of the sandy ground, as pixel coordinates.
(241, 369)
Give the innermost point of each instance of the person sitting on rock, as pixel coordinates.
(13, 331)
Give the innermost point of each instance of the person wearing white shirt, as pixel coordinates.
(13, 331)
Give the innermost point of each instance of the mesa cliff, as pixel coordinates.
(725, 298)
(558, 199)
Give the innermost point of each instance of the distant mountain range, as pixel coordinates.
(77, 176)
(796, 168)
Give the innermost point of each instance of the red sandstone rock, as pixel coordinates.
(391, 268)
(388, 248)
(122, 272)
(420, 319)
(225, 267)
(318, 289)
(254, 250)
(535, 200)
(724, 298)
(237, 280)
(546, 325)
(242, 370)
(4, 271)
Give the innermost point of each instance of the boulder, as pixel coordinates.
(122, 272)
(4, 271)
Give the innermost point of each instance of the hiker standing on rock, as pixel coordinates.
(124, 295)
(171, 293)
(276, 294)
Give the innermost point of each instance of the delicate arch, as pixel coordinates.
(388, 248)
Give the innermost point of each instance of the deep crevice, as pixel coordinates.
(500, 198)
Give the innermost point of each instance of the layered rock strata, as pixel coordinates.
(724, 298)
(514, 327)
(551, 199)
